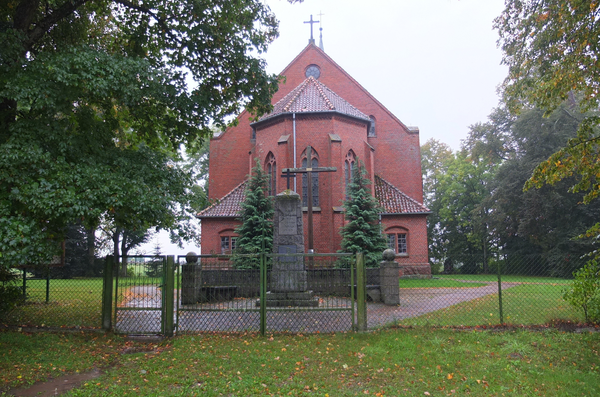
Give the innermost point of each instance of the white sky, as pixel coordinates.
(433, 63)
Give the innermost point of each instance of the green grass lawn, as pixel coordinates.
(523, 304)
(505, 278)
(437, 283)
(390, 362)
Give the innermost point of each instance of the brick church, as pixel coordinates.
(322, 106)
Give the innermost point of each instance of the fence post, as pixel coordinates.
(169, 296)
(24, 284)
(263, 293)
(107, 291)
(500, 292)
(361, 303)
(48, 284)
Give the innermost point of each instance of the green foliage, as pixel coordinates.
(551, 48)
(584, 293)
(256, 214)
(362, 232)
(96, 99)
(11, 294)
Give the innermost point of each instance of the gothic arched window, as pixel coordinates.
(271, 168)
(349, 169)
(371, 131)
(315, 184)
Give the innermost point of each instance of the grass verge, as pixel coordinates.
(422, 361)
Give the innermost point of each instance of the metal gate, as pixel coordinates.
(144, 295)
(220, 293)
(286, 293)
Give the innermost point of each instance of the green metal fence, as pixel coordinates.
(514, 290)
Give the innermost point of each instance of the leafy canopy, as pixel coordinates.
(96, 98)
(552, 48)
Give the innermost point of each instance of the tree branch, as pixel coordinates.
(42, 27)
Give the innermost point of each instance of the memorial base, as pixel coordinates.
(291, 299)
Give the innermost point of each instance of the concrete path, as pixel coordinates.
(140, 311)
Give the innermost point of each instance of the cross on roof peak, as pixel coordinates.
(311, 40)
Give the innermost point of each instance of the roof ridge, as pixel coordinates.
(402, 193)
(320, 87)
(298, 90)
(219, 201)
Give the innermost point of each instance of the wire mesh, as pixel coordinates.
(304, 294)
(226, 298)
(520, 290)
(138, 295)
(52, 296)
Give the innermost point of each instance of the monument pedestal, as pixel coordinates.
(289, 285)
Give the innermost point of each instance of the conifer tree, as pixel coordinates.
(362, 233)
(257, 224)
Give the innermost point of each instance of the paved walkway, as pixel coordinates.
(140, 312)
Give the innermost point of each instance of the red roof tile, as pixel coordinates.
(313, 96)
(395, 201)
(390, 198)
(228, 206)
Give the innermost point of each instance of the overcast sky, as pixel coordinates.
(433, 63)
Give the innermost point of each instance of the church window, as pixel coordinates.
(228, 244)
(315, 184)
(397, 242)
(349, 169)
(271, 168)
(371, 131)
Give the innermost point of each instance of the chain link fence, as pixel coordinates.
(525, 289)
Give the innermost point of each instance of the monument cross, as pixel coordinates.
(311, 29)
(308, 171)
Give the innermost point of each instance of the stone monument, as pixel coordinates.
(289, 285)
(389, 278)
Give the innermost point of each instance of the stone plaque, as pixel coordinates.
(287, 223)
(287, 249)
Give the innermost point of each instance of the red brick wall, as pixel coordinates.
(394, 153)
(416, 259)
(211, 229)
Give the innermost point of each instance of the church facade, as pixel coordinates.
(323, 107)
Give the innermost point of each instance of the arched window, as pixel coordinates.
(371, 131)
(349, 168)
(271, 168)
(315, 183)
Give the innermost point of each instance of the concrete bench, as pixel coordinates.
(217, 293)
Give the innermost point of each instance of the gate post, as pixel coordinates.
(361, 302)
(168, 294)
(263, 293)
(107, 291)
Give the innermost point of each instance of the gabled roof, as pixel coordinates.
(392, 199)
(315, 97)
(228, 206)
(322, 53)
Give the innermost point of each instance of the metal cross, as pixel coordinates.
(308, 172)
(311, 28)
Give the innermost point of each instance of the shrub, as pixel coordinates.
(10, 293)
(584, 293)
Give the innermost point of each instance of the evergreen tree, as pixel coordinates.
(257, 225)
(362, 233)
(154, 266)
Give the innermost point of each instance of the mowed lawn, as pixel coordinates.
(527, 301)
(388, 362)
